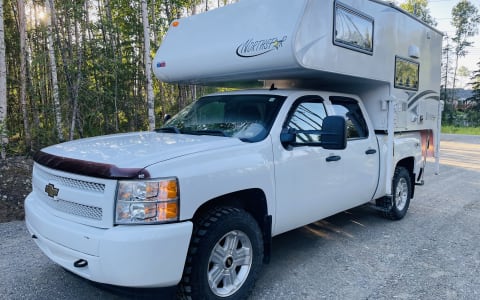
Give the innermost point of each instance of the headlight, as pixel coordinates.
(149, 201)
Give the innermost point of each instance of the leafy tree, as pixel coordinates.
(463, 71)
(49, 4)
(148, 66)
(78, 67)
(419, 8)
(447, 54)
(465, 19)
(476, 87)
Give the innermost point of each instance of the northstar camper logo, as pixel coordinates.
(252, 47)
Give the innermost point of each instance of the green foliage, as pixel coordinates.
(461, 130)
(476, 88)
(419, 8)
(3, 139)
(3, 134)
(465, 19)
(101, 75)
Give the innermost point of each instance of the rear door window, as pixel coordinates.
(347, 107)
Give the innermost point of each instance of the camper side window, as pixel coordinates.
(356, 125)
(353, 30)
(406, 74)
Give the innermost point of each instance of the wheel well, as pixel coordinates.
(252, 201)
(409, 164)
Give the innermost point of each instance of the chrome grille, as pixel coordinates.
(73, 183)
(79, 196)
(76, 209)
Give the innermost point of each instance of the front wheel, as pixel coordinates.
(396, 207)
(225, 256)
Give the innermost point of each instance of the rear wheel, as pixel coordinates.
(225, 256)
(396, 207)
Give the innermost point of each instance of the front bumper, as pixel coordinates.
(131, 256)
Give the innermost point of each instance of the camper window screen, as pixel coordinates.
(353, 30)
(406, 74)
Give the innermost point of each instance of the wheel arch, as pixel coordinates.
(254, 202)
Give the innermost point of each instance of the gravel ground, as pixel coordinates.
(433, 253)
(15, 184)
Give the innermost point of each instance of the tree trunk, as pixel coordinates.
(454, 77)
(113, 39)
(148, 67)
(53, 69)
(447, 63)
(154, 24)
(38, 72)
(3, 88)
(23, 71)
(76, 86)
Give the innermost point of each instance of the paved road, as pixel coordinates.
(433, 253)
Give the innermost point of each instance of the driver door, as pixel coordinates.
(308, 178)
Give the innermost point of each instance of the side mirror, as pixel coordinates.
(166, 118)
(287, 137)
(334, 133)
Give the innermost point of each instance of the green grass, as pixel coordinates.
(461, 130)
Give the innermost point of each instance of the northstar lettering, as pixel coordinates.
(252, 48)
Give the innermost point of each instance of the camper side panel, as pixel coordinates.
(381, 52)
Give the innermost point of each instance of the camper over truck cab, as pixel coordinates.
(344, 112)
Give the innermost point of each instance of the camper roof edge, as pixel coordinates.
(392, 5)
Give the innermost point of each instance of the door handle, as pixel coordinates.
(333, 158)
(370, 151)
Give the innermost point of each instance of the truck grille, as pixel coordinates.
(89, 212)
(73, 183)
(83, 199)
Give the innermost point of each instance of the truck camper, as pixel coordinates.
(341, 109)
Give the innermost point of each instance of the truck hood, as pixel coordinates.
(126, 155)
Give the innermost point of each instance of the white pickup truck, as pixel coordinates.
(197, 202)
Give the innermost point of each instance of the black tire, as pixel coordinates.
(236, 237)
(396, 207)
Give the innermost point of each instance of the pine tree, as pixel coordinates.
(476, 88)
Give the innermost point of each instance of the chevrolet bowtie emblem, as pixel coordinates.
(51, 190)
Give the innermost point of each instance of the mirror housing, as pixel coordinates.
(166, 118)
(287, 137)
(334, 133)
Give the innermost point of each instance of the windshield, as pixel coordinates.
(247, 117)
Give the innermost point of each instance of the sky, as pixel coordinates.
(441, 10)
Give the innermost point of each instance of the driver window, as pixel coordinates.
(307, 115)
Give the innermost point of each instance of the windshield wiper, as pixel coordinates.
(207, 132)
(171, 129)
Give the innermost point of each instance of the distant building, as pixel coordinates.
(460, 100)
